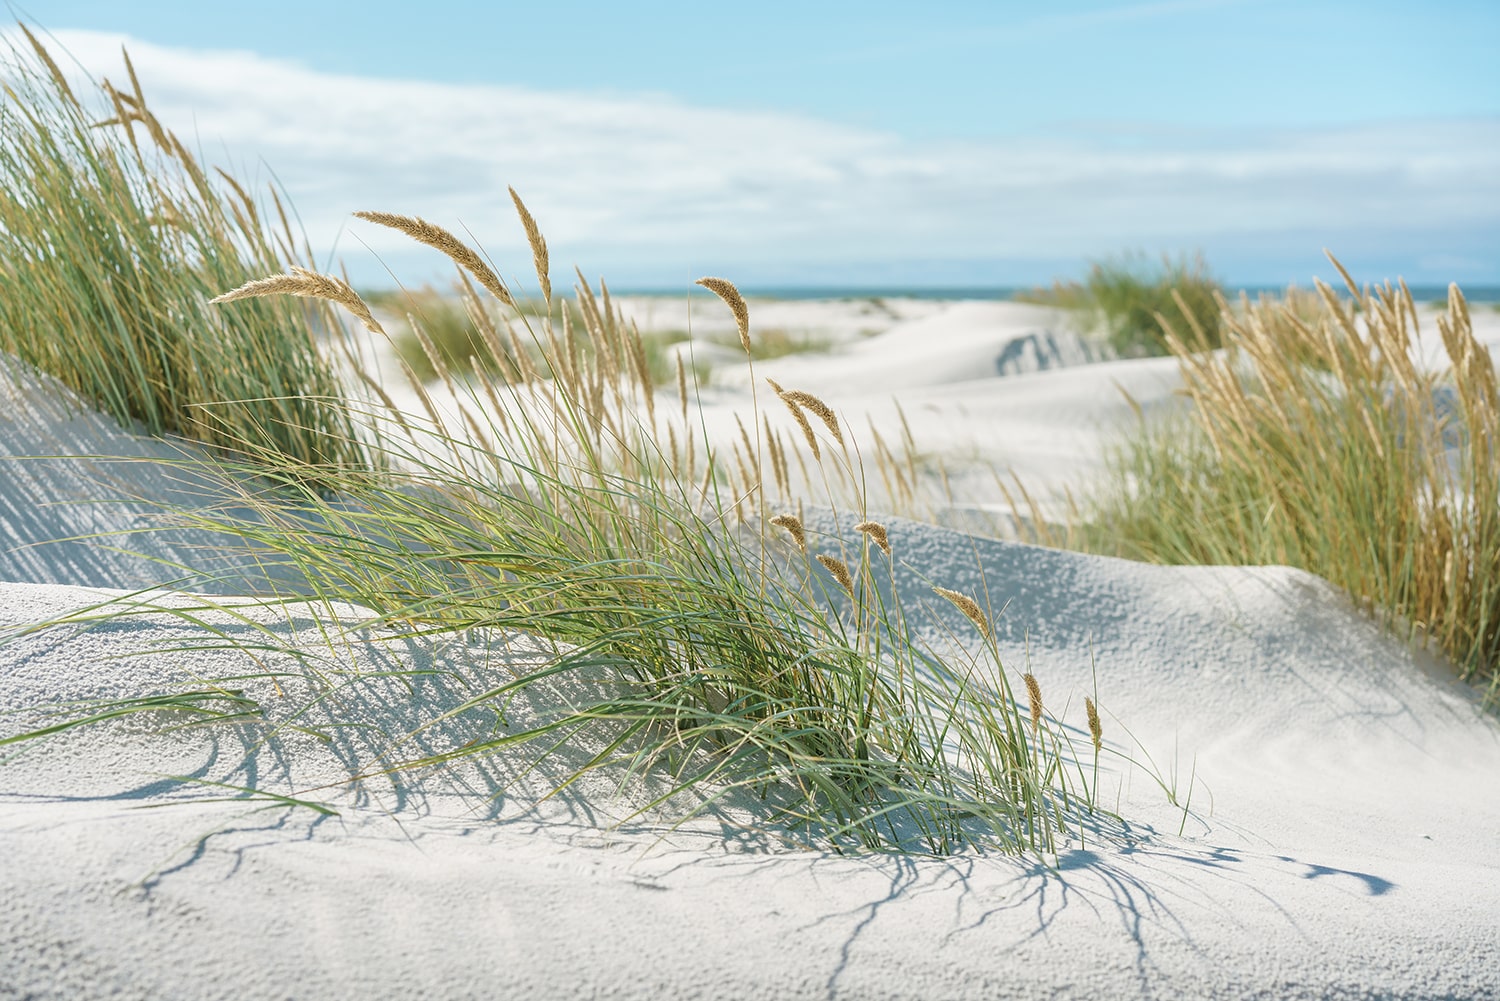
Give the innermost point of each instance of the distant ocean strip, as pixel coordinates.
(1421, 293)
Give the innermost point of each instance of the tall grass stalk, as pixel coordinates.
(1319, 439)
(113, 237)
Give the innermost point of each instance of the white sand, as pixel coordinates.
(1341, 840)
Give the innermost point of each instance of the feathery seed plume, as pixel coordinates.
(1095, 730)
(969, 607)
(840, 571)
(800, 418)
(46, 57)
(439, 238)
(793, 526)
(538, 245)
(310, 285)
(820, 410)
(876, 531)
(724, 289)
(1034, 695)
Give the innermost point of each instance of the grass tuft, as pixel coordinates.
(559, 508)
(113, 241)
(1131, 302)
(546, 498)
(1319, 439)
(778, 342)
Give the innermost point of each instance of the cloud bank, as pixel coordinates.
(650, 190)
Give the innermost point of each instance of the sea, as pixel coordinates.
(1477, 294)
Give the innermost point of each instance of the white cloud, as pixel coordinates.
(649, 185)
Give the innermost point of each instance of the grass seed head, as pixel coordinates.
(800, 418)
(793, 526)
(969, 607)
(1034, 695)
(820, 410)
(724, 289)
(60, 81)
(538, 245)
(876, 531)
(1095, 730)
(310, 285)
(840, 571)
(439, 238)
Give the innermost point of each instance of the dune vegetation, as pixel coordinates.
(437, 335)
(113, 238)
(430, 322)
(570, 503)
(1129, 302)
(741, 653)
(1318, 439)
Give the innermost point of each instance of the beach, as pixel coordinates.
(1303, 805)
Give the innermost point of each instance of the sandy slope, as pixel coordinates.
(1340, 839)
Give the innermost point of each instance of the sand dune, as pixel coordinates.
(1334, 832)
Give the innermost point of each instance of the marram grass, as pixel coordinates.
(433, 331)
(113, 239)
(1318, 439)
(566, 505)
(1131, 303)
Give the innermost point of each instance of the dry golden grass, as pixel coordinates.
(801, 419)
(58, 80)
(967, 605)
(726, 290)
(799, 400)
(876, 531)
(793, 526)
(441, 239)
(308, 284)
(539, 257)
(839, 570)
(1034, 697)
(1319, 440)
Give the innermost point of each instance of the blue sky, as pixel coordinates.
(841, 143)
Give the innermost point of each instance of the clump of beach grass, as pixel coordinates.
(540, 492)
(438, 332)
(113, 239)
(1129, 301)
(767, 344)
(567, 506)
(778, 342)
(1319, 439)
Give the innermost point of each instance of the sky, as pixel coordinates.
(873, 144)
